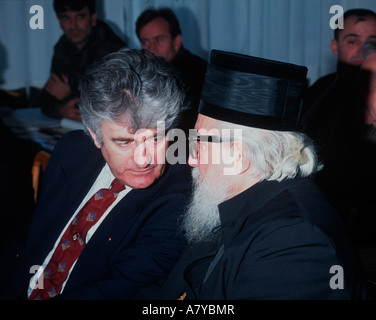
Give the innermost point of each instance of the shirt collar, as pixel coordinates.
(105, 179)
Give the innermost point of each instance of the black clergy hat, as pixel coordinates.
(252, 91)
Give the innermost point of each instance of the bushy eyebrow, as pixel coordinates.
(121, 139)
(357, 36)
(351, 35)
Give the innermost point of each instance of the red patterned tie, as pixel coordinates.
(73, 242)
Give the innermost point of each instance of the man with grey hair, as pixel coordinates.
(258, 227)
(106, 222)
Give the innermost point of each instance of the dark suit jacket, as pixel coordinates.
(137, 242)
(281, 240)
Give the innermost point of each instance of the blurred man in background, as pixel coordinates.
(85, 40)
(159, 32)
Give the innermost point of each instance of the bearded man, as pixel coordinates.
(258, 227)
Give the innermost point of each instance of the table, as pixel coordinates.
(31, 123)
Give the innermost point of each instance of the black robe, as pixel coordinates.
(281, 240)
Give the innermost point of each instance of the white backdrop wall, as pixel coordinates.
(295, 31)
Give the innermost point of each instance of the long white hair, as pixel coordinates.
(278, 155)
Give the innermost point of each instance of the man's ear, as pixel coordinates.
(94, 136)
(240, 160)
(242, 156)
(177, 42)
(334, 46)
(94, 20)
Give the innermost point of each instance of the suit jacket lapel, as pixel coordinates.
(73, 183)
(119, 224)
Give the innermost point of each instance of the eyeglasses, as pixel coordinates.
(194, 140)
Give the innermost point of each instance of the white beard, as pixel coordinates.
(202, 213)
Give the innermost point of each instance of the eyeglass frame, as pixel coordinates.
(193, 140)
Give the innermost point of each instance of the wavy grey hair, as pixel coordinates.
(278, 155)
(130, 86)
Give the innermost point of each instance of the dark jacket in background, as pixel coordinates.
(68, 60)
(334, 119)
(331, 110)
(192, 69)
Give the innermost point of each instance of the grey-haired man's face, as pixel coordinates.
(134, 158)
(222, 158)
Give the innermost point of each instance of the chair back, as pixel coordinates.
(39, 166)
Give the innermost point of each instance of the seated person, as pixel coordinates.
(333, 116)
(258, 226)
(107, 219)
(355, 193)
(326, 98)
(159, 31)
(85, 40)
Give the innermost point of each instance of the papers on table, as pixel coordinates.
(71, 124)
(31, 123)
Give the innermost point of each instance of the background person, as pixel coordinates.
(85, 40)
(159, 31)
(334, 96)
(333, 115)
